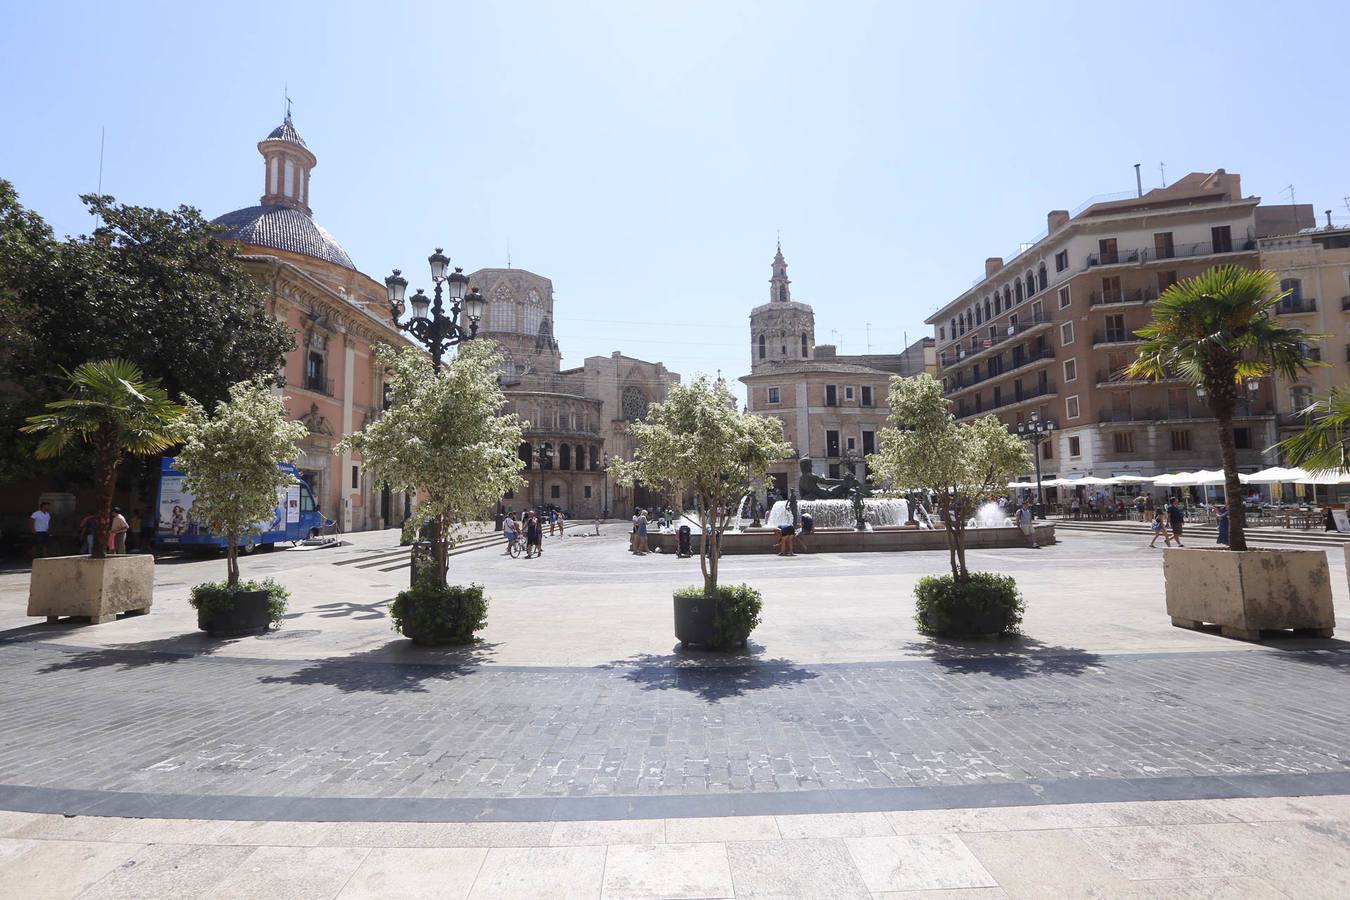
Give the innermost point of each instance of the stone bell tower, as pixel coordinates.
(782, 330)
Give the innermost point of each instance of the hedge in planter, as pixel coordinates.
(985, 605)
(215, 603)
(434, 613)
(737, 613)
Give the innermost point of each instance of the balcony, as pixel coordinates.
(319, 385)
(973, 345)
(1130, 296)
(1291, 306)
(1100, 338)
(1198, 413)
(1143, 255)
(1048, 389)
(960, 383)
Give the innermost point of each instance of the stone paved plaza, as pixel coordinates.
(1104, 754)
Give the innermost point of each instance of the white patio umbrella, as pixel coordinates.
(1173, 479)
(1274, 475)
(1128, 479)
(1330, 476)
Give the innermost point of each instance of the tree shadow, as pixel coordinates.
(361, 612)
(142, 653)
(710, 676)
(395, 668)
(1328, 653)
(1009, 658)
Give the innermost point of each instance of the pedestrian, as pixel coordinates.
(1026, 521)
(1222, 519)
(1139, 508)
(534, 536)
(633, 538)
(1176, 517)
(117, 532)
(786, 534)
(87, 533)
(1077, 507)
(561, 519)
(642, 533)
(40, 524)
(1159, 529)
(552, 522)
(1148, 505)
(808, 528)
(509, 532)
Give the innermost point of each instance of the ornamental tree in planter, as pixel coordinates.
(696, 442)
(964, 465)
(1218, 332)
(230, 463)
(117, 412)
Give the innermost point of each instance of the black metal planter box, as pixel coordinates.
(250, 613)
(694, 620)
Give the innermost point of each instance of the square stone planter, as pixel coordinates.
(1250, 591)
(98, 589)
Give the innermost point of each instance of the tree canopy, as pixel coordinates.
(229, 461)
(444, 437)
(697, 442)
(963, 464)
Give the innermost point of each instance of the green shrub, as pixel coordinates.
(212, 597)
(986, 604)
(434, 613)
(738, 609)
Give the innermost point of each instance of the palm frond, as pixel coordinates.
(112, 399)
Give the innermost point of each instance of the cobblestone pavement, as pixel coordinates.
(130, 719)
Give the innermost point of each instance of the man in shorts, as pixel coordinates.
(1176, 519)
(40, 523)
(1026, 520)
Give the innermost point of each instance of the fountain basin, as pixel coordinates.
(885, 539)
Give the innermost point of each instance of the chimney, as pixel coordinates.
(992, 265)
(1056, 219)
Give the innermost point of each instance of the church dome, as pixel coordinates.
(283, 228)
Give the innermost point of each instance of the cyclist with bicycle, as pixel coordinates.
(511, 531)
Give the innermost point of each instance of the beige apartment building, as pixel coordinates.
(1050, 331)
(832, 406)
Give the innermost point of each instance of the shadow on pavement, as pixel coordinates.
(397, 667)
(359, 611)
(142, 653)
(1009, 658)
(685, 672)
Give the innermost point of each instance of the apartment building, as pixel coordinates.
(1051, 330)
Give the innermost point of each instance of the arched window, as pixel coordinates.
(1031, 284)
(1007, 297)
(634, 404)
(803, 345)
(782, 292)
(953, 329)
(526, 453)
(564, 456)
(761, 346)
(595, 458)
(1042, 279)
(978, 318)
(986, 309)
(1017, 290)
(546, 456)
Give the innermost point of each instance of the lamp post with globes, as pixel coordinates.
(1037, 430)
(429, 324)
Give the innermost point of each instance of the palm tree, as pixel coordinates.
(114, 409)
(1323, 443)
(1216, 331)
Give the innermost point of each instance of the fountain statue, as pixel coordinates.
(811, 486)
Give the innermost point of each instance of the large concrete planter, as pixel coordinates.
(97, 589)
(1250, 591)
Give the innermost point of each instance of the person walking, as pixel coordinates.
(552, 522)
(510, 533)
(1222, 520)
(633, 538)
(1159, 528)
(1026, 520)
(1139, 508)
(40, 524)
(642, 533)
(87, 533)
(534, 536)
(1176, 518)
(117, 532)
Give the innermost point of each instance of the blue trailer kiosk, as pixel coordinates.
(295, 518)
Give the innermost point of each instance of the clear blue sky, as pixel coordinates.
(643, 154)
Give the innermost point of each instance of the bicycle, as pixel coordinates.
(513, 547)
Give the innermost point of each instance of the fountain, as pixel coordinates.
(877, 513)
(990, 515)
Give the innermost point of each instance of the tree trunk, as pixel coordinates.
(439, 550)
(1232, 484)
(231, 559)
(105, 479)
(944, 510)
(707, 565)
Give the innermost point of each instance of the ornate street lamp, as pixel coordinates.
(543, 454)
(1037, 431)
(429, 324)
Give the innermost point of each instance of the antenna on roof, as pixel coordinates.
(1162, 170)
(102, 133)
(869, 337)
(508, 253)
(1290, 190)
(1138, 181)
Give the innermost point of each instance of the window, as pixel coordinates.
(848, 392)
(978, 319)
(1293, 287)
(998, 396)
(1071, 407)
(356, 478)
(1115, 329)
(1061, 260)
(1242, 438)
(851, 443)
(987, 314)
(1007, 297)
(1038, 312)
(307, 501)
(1070, 370)
(1181, 441)
(761, 346)
(564, 456)
(1064, 298)
(1075, 447)
(1042, 279)
(555, 492)
(869, 442)
(867, 395)
(314, 379)
(586, 491)
(1108, 252)
(1300, 398)
(1166, 280)
(1031, 285)
(804, 345)
(773, 395)
(831, 395)
(1017, 290)
(953, 324)
(1048, 450)
(1162, 245)
(1122, 441)
(1222, 238)
(1111, 289)
(1066, 334)
(832, 443)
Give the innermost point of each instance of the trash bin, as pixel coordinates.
(684, 541)
(422, 560)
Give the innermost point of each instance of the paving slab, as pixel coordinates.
(415, 874)
(671, 871)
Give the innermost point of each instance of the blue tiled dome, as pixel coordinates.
(283, 228)
(286, 132)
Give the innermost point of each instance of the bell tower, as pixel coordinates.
(782, 330)
(779, 290)
(287, 164)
